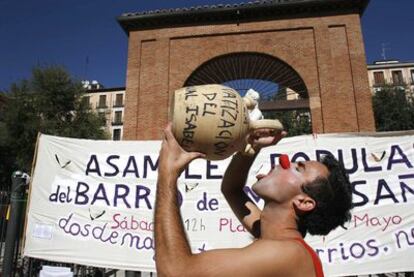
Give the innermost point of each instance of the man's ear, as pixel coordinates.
(303, 203)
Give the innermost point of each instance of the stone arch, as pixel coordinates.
(248, 66)
(280, 86)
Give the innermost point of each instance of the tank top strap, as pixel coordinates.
(315, 259)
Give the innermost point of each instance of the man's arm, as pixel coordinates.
(173, 254)
(235, 179)
(172, 249)
(232, 186)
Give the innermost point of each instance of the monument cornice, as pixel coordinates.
(238, 13)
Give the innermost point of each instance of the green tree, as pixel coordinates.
(50, 103)
(5, 156)
(295, 122)
(393, 110)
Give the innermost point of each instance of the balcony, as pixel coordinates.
(87, 106)
(117, 123)
(101, 106)
(377, 85)
(399, 84)
(118, 105)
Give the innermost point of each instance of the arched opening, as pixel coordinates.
(283, 93)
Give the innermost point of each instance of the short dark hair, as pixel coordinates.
(333, 197)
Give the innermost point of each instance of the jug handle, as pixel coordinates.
(249, 102)
(273, 124)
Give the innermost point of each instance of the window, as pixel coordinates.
(412, 77)
(119, 100)
(86, 102)
(102, 101)
(118, 117)
(102, 117)
(397, 78)
(116, 134)
(379, 78)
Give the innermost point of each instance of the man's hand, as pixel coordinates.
(173, 158)
(261, 138)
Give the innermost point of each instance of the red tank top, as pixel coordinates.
(315, 259)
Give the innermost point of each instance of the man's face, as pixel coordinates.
(281, 185)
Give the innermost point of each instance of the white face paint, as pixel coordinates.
(294, 171)
(281, 185)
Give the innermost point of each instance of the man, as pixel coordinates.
(309, 197)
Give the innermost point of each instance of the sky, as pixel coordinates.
(84, 36)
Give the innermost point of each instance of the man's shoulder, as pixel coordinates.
(275, 247)
(282, 255)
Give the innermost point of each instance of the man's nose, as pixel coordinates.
(284, 161)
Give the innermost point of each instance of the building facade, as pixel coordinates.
(109, 105)
(391, 73)
(110, 102)
(317, 43)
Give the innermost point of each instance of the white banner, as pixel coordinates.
(92, 202)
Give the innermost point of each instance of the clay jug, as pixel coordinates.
(214, 120)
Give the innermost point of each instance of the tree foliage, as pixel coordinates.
(295, 122)
(393, 110)
(5, 157)
(49, 103)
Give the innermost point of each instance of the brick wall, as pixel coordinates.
(327, 52)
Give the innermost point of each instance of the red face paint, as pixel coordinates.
(284, 161)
